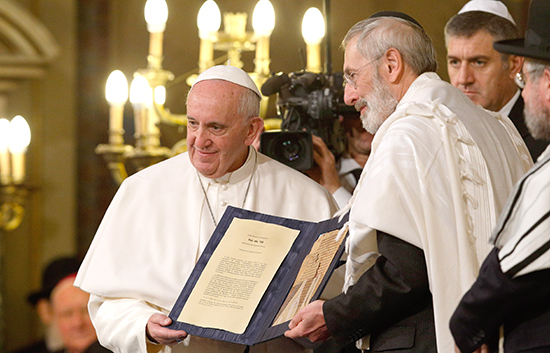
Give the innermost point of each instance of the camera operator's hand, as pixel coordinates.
(324, 172)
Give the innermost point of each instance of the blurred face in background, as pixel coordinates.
(70, 314)
(359, 140)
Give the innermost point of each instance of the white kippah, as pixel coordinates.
(229, 73)
(491, 6)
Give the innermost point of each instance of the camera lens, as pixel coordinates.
(291, 149)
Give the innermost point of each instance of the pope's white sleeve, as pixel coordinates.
(120, 324)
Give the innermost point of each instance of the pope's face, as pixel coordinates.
(478, 70)
(70, 315)
(217, 136)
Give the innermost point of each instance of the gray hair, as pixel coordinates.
(469, 23)
(535, 68)
(377, 35)
(249, 103)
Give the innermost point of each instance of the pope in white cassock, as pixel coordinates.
(161, 219)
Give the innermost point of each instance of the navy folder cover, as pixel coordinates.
(260, 328)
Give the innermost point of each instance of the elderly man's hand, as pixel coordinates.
(325, 172)
(158, 333)
(309, 322)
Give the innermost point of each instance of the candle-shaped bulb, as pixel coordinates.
(20, 135)
(160, 95)
(313, 26)
(156, 14)
(116, 89)
(209, 19)
(263, 18)
(140, 91)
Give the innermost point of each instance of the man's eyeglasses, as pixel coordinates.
(351, 77)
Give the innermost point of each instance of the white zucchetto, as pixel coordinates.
(491, 6)
(231, 74)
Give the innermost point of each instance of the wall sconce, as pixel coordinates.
(148, 92)
(15, 136)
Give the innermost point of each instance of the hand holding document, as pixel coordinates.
(237, 275)
(254, 275)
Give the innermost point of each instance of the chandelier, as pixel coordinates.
(147, 92)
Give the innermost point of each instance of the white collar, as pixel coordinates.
(347, 164)
(505, 111)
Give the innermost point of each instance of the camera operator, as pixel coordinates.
(340, 177)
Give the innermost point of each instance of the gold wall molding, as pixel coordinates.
(27, 47)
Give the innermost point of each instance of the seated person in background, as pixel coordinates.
(162, 218)
(63, 311)
(340, 177)
(513, 287)
(484, 75)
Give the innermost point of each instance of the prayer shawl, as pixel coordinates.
(155, 230)
(523, 231)
(438, 176)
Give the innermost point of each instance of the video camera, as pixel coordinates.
(308, 103)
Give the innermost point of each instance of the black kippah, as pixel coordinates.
(397, 14)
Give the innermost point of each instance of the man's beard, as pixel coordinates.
(537, 119)
(380, 103)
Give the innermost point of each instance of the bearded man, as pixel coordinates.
(437, 178)
(513, 286)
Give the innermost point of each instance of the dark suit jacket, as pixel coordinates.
(37, 347)
(536, 147)
(521, 304)
(391, 302)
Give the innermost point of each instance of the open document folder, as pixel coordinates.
(254, 275)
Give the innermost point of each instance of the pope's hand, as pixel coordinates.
(158, 333)
(309, 322)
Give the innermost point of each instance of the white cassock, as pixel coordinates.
(438, 177)
(156, 228)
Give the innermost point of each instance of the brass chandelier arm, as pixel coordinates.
(12, 210)
(114, 157)
(167, 117)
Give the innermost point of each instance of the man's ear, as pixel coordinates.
(45, 311)
(515, 63)
(255, 128)
(393, 65)
(544, 83)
